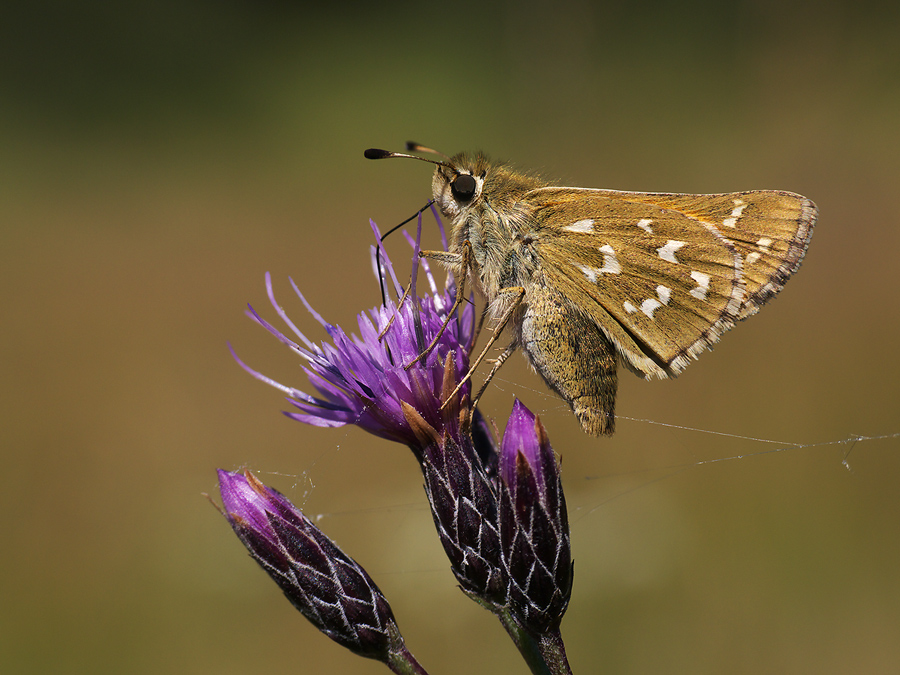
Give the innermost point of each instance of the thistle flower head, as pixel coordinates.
(363, 379)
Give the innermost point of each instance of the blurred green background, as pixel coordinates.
(158, 158)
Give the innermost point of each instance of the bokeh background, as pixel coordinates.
(158, 158)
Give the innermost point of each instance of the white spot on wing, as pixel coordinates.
(631, 309)
(667, 252)
(649, 306)
(585, 226)
(590, 272)
(610, 263)
(663, 294)
(644, 224)
(702, 285)
(764, 243)
(736, 212)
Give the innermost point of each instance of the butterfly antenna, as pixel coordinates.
(382, 282)
(412, 146)
(375, 153)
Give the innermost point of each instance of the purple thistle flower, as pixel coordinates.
(328, 587)
(362, 380)
(534, 527)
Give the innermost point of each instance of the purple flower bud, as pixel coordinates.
(463, 503)
(329, 588)
(534, 528)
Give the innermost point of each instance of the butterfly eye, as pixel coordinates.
(463, 187)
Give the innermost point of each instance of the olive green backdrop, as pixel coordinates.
(156, 159)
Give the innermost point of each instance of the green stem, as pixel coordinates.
(399, 659)
(544, 654)
(402, 662)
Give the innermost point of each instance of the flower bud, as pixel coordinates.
(329, 588)
(534, 528)
(463, 503)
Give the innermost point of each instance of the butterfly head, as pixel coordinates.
(458, 183)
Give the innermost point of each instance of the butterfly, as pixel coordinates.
(590, 278)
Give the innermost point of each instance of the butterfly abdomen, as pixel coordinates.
(574, 358)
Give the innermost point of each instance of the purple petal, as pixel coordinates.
(520, 437)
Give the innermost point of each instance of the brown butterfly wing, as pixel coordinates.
(771, 230)
(664, 275)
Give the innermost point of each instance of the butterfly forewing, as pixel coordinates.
(771, 230)
(666, 274)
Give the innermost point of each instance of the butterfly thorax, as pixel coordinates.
(493, 218)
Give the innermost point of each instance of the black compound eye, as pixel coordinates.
(463, 187)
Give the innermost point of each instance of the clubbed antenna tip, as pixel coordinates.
(375, 153)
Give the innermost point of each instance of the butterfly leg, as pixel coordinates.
(499, 361)
(573, 356)
(390, 322)
(516, 293)
(454, 261)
